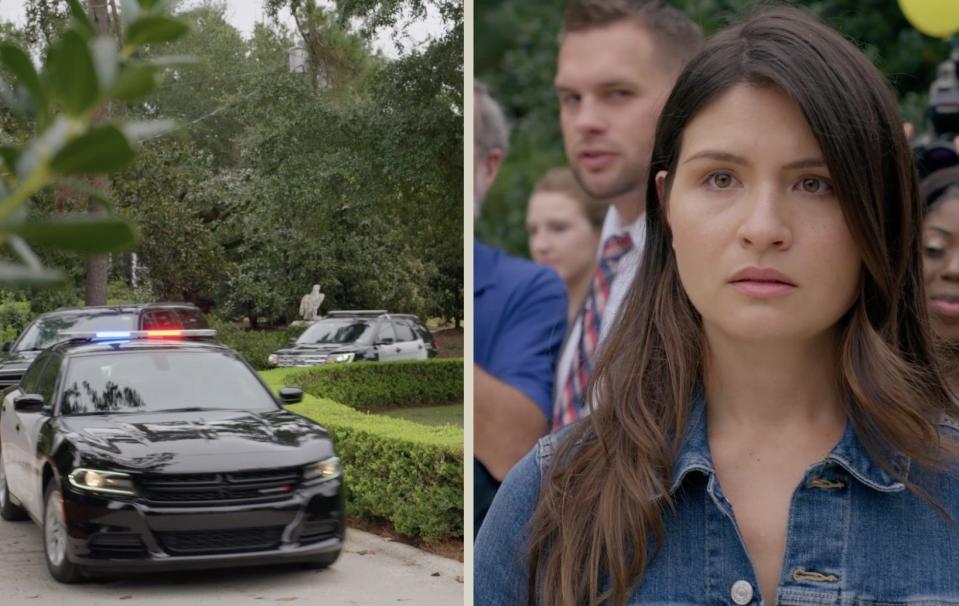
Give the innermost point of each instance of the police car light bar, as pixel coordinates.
(112, 335)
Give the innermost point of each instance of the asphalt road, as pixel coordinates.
(371, 571)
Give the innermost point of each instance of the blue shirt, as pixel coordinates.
(519, 319)
(860, 538)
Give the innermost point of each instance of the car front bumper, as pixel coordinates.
(115, 534)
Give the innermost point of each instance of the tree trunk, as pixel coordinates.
(97, 266)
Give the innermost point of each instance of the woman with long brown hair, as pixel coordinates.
(770, 426)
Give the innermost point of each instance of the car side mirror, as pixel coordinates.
(8, 346)
(28, 402)
(291, 395)
(385, 341)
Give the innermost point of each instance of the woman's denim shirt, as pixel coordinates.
(854, 536)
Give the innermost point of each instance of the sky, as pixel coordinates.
(243, 14)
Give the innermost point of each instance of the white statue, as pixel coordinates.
(310, 304)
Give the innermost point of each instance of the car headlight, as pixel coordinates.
(340, 358)
(317, 473)
(272, 360)
(109, 482)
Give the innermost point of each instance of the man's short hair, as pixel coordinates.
(677, 37)
(491, 128)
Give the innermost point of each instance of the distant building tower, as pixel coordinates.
(297, 56)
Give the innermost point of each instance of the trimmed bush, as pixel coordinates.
(14, 317)
(254, 345)
(364, 385)
(409, 474)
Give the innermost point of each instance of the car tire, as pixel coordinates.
(8, 510)
(55, 538)
(323, 561)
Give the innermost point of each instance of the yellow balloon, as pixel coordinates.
(936, 18)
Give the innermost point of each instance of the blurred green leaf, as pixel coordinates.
(148, 4)
(71, 74)
(155, 28)
(134, 83)
(45, 146)
(81, 19)
(21, 66)
(11, 273)
(88, 234)
(100, 150)
(105, 59)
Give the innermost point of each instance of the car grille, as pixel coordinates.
(8, 378)
(315, 531)
(221, 541)
(117, 545)
(219, 488)
(304, 360)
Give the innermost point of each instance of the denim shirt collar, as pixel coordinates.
(849, 453)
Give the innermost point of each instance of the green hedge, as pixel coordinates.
(409, 474)
(388, 384)
(254, 345)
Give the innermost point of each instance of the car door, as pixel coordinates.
(387, 349)
(12, 435)
(31, 424)
(410, 344)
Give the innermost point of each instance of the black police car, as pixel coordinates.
(44, 330)
(352, 336)
(139, 451)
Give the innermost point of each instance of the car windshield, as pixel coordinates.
(44, 332)
(159, 381)
(338, 330)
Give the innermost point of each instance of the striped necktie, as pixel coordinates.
(569, 404)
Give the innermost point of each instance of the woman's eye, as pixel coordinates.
(814, 185)
(932, 252)
(721, 180)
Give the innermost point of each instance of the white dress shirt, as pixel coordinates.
(625, 273)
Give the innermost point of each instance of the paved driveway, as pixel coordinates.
(371, 571)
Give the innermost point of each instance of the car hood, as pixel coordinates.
(327, 348)
(197, 442)
(19, 360)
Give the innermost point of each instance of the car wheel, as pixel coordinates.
(55, 538)
(323, 561)
(8, 511)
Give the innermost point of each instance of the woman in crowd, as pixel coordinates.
(771, 426)
(940, 236)
(564, 225)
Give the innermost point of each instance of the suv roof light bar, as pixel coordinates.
(114, 335)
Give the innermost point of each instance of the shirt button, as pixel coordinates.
(741, 592)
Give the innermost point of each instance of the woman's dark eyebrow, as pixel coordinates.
(734, 159)
(940, 230)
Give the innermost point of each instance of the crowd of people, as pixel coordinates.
(730, 371)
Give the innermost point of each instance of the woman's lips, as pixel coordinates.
(763, 289)
(945, 306)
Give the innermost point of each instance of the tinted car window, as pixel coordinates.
(157, 381)
(44, 332)
(191, 318)
(47, 382)
(160, 319)
(28, 384)
(338, 330)
(403, 331)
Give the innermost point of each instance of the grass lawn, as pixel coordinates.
(449, 414)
